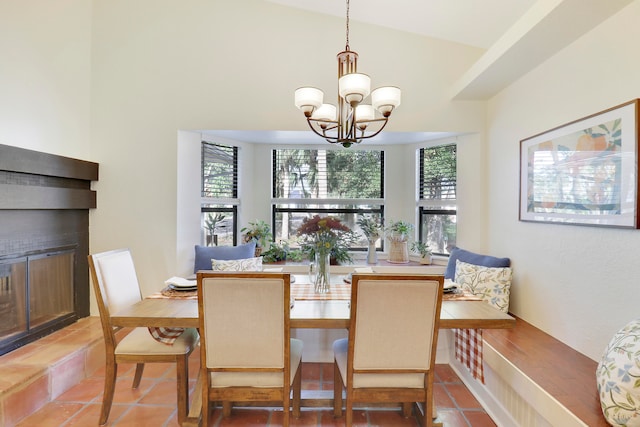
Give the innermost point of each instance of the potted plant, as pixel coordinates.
(277, 252)
(259, 231)
(372, 230)
(423, 250)
(211, 223)
(398, 233)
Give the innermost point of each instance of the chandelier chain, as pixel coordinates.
(347, 45)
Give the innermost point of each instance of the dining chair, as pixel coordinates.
(247, 354)
(116, 286)
(390, 352)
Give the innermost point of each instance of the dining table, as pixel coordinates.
(323, 313)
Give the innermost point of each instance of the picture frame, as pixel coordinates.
(583, 172)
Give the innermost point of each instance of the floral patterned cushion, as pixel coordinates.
(618, 377)
(247, 264)
(493, 284)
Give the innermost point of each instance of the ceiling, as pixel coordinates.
(517, 35)
(472, 22)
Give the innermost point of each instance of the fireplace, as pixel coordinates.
(44, 243)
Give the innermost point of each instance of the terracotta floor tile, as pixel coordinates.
(246, 418)
(163, 392)
(125, 394)
(311, 385)
(312, 371)
(462, 396)
(88, 390)
(145, 416)
(308, 418)
(441, 397)
(445, 374)
(479, 419)
(390, 418)
(51, 415)
(451, 418)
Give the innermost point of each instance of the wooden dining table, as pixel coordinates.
(316, 314)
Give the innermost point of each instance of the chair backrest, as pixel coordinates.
(115, 283)
(244, 319)
(394, 321)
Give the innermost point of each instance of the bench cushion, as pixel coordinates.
(204, 254)
(472, 258)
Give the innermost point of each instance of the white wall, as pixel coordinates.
(160, 67)
(45, 60)
(577, 283)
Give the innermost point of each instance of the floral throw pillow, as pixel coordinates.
(247, 264)
(493, 284)
(617, 377)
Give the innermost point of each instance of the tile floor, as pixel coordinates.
(153, 403)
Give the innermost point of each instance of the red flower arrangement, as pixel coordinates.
(324, 235)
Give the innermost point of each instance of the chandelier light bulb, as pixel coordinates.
(364, 113)
(385, 99)
(354, 88)
(308, 99)
(326, 112)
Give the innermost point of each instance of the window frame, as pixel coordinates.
(220, 204)
(327, 206)
(432, 206)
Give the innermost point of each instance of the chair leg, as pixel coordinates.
(297, 392)
(111, 371)
(406, 409)
(138, 375)
(337, 391)
(348, 419)
(226, 408)
(286, 407)
(182, 380)
(204, 377)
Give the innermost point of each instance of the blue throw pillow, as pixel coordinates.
(472, 258)
(204, 254)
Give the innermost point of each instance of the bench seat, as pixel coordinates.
(566, 375)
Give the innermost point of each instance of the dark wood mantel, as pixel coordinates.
(67, 184)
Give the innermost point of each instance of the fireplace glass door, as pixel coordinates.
(36, 292)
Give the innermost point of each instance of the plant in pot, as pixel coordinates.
(211, 222)
(259, 231)
(372, 230)
(277, 252)
(398, 233)
(423, 250)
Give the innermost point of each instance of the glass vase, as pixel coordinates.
(322, 279)
(372, 254)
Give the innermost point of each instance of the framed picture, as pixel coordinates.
(584, 172)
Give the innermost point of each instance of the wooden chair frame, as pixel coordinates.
(111, 338)
(264, 395)
(406, 396)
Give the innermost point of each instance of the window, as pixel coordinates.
(219, 194)
(437, 198)
(341, 183)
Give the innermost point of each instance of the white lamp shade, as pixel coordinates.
(365, 112)
(325, 112)
(308, 99)
(385, 99)
(354, 87)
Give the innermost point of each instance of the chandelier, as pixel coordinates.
(352, 121)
